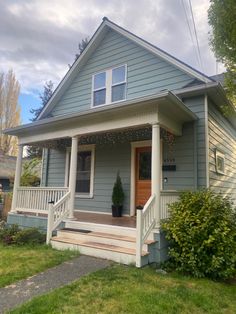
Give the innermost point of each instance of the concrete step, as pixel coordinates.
(102, 237)
(112, 252)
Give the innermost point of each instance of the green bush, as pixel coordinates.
(14, 235)
(118, 193)
(202, 234)
(29, 236)
(8, 233)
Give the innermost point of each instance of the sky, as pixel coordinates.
(39, 38)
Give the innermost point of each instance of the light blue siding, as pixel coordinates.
(182, 151)
(196, 105)
(25, 221)
(108, 160)
(146, 73)
(222, 136)
(56, 168)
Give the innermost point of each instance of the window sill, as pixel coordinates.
(84, 196)
(108, 104)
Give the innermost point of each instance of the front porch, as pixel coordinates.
(79, 172)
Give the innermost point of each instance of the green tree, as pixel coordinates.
(81, 46)
(30, 174)
(222, 18)
(9, 111)
(45, 96)
(34, 151)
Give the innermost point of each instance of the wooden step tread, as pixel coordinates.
(106, 235)
(107, 247)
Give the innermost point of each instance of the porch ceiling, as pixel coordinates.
(165, 108)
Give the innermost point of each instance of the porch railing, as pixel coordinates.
(145, 223)
(146, 219)
(35, 199)
(167, 197)
(56, 213)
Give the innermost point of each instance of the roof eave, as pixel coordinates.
(118, 106)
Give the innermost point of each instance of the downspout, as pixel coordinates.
(195, 154)
(206, 141)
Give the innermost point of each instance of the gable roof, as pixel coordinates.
(93, 44)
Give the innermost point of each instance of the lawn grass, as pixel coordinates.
(18, 262)
(122, 289)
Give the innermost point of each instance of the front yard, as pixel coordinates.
(18, 262)
(122, 289)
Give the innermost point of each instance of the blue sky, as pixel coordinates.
(39, 38)
(28, 102)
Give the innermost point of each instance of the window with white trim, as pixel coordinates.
(109, 86)
(220, 162)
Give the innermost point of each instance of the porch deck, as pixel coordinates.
(105, 219)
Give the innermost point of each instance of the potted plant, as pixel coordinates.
(117, 197)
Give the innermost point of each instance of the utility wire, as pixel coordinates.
(195, 32)
(190, 31)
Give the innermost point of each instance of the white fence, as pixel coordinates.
(36, 199)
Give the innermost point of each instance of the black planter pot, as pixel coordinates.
(116, 210)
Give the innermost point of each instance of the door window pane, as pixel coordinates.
(145, 166)
(99, 80)
(118, 92)
(99, 97)
(83, 172)
(118, 75)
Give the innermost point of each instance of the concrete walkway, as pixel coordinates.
(24, 290)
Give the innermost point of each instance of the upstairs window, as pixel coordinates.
(109, 86)
(99, 89)
(118, 83)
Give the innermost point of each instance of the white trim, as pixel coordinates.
(108, 86)
(134, 145)
(219, 154)
(81, 148)
(67, 163)
(42, 165)
(207, 159)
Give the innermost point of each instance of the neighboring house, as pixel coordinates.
(7, 171)
(127, 106)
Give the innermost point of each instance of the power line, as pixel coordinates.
(190, 31)
(195, 32)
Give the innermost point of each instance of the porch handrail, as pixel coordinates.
(35, 199)
(167, 198)
(56, 213)
(145, 223)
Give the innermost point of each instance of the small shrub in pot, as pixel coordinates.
(117, 197)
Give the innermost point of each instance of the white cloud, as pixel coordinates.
(39, 38)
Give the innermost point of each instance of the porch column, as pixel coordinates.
(72, 176)
(17, 176)
(156, 169)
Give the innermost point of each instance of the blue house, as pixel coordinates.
(124, 106)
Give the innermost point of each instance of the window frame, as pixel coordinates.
(100, 88)
(108, 86)
(219, 154)
(81, 148)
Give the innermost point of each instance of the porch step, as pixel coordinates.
(115, 230)
(101, 237)
(112, 252)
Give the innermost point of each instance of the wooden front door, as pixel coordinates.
(143, 175)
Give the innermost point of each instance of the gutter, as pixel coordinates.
(104, 109)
